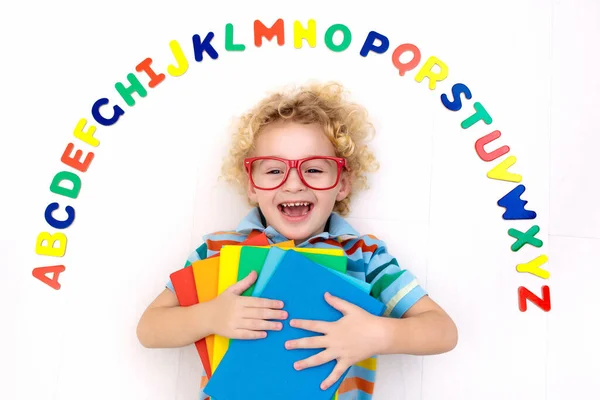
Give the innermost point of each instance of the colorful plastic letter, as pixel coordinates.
(41, 274)
(369, 44)
(427, 71)
(134, 87)
(490, 156)
(182, 62)
(200, 46)
(145, 67)
(85, 136)
(66, 176)
(260, 31)
(117, 112)
(49, 249)
(55, 223)
(301, 33)
(515, 206)
(405, 67)
(500, 171)
(229, 45)
(75, 162)
(347, 37)
(543, 303)
(481, 114)
(525, 238)
(457, 90)
(533, 267)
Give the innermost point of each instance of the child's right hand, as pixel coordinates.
(244, 317)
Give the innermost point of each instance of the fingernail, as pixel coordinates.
(296, 366)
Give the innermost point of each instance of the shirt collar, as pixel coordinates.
(254, 220)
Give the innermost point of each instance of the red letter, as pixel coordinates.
(487, 155)
(543, 303)
(404, 67)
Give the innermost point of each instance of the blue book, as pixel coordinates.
(263, 368)
(273, 259)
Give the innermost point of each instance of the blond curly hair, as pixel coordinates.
(345, 124)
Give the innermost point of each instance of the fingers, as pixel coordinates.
(336, 374)
(259, 325)
(264, 313)
(310, 325)
(318, 359)
(259, 302)
(246, 334)
(240, 286)
(341, 305)
(313, 342)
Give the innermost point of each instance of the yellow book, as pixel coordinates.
(228, 272)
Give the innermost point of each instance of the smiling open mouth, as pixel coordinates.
(295, 209)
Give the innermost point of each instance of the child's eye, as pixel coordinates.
(313, 170)
(274, 172)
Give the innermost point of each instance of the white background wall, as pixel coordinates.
(151, 191)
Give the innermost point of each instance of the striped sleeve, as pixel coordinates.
(397, 288)
(198, 254)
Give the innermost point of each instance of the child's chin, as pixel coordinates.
(294, 232)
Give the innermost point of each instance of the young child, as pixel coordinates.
(300, 155)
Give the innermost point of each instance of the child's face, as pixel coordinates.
(293, 141)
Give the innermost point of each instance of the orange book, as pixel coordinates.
(184, 284)
(206, 276)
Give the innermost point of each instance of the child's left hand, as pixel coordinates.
(351, 339)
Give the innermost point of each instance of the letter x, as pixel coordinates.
(524, 238)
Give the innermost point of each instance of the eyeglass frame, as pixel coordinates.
(340, 162)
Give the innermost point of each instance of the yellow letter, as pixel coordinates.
(500, 172)
(179, 57)
(49, 249)
(533, 267)
(310, 34)
(434, 77)
(87, 137)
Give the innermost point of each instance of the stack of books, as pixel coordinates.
(263, 368)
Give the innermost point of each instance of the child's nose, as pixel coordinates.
(293, 182)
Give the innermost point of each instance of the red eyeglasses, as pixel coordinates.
(318, 172)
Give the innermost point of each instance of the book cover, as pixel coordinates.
(263, 368)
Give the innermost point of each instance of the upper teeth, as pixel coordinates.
(294, 204)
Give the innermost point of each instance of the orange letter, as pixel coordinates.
(75, 162)
(261, 31)
(40, 273)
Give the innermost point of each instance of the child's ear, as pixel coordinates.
(251, 192)
(345, 187)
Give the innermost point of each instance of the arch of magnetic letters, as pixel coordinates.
(67, 183)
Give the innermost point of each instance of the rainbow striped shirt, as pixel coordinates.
(368, 260)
